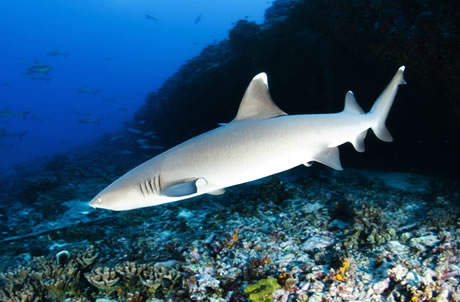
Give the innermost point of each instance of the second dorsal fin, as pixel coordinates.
(256, 102)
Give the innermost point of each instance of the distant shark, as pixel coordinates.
(5, 112)
(88, 91)
(151, 18)
(57, 53)
(89, 120)
(262, 140)
(39, 69)
(5, 134)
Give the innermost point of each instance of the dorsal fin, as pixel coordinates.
(256, 102)
(351, 105)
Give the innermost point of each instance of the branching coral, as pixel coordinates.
(103, 278)
(16, 275)
(156, 277)
(19, 293)
(128, 270)
(87, 257)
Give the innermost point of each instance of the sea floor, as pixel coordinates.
(307, 235)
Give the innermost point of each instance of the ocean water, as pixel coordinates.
(105, 57)
(92, 89)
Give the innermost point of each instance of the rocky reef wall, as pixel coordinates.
(313, 52)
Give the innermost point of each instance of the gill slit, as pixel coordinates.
(141, 189)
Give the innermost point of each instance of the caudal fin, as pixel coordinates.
(382, 105)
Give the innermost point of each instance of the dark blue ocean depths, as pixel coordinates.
(90, 89)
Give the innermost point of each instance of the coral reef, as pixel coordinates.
(313, 235)
(290, 246)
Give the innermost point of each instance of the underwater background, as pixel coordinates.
(91, 89)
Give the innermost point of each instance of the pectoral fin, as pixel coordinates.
(185, 188)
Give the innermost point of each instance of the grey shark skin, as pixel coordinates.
(262, 140)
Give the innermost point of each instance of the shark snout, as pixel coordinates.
(95, 202)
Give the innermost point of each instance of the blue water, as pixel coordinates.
(115, 50)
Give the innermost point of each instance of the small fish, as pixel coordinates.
(151, 18)
(89, 120)
(137, 131)
(150, 133)
(5, 134)
(88, 91)
(5, 112)
(115, 138)
(40, 78)
(57, 53)
(198, 19)
(155, 147)
(39, 69)
(126, 152)
(141, 122)
(141, 141)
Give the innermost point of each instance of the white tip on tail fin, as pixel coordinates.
(382, 105)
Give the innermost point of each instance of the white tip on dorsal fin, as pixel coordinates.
(256, 102)
(351, 105)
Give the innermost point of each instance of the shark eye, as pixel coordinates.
(98, 200)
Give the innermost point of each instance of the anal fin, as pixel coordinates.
(329, 157)
(358, 143)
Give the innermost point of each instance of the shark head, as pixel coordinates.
(131, 191)
(119, 196)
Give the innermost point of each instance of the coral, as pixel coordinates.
(202, 287)
(341, 275)
(54, 277)
(19, 293)
(103, 278)
(136, 297)
(129, 270)
(370, 228)
(160, 278)
(87, 257)
(263, 290)
(16, 275)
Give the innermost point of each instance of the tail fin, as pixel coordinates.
(382, 105)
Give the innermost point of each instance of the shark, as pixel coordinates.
(5, 112)
(39, 69)
(5, 134)
(88, 91)
(151, 18)
(261, 140)
(57, 53)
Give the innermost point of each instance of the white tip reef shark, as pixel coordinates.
(260, 141)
